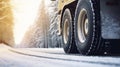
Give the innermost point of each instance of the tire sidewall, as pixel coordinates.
(67, 15)
(84, 47)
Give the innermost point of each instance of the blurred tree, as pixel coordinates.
(6, 23)
(44, 21)
(43, 33)
(37, 35)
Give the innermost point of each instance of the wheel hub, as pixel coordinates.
(66, 31)
(82, 26)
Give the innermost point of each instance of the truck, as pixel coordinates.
(89, 27)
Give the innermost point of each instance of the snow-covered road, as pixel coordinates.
(52, 57)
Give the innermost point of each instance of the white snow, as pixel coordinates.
(36, 57)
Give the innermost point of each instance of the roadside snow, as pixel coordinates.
(36, 57)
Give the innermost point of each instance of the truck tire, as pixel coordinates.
(87, 28)
(67, 32)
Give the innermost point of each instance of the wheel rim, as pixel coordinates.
(66, 31)
(82, 26)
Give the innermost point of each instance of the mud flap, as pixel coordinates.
(110, 19)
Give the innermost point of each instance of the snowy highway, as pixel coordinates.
(52, 57)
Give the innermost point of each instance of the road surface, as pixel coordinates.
(52, 57)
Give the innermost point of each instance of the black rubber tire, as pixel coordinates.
(70, 46)
(93, 40)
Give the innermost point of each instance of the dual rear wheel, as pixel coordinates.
(80, 34)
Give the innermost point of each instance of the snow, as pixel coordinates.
(36, 57)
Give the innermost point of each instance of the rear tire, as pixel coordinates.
(87, 28)
(68, 33)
